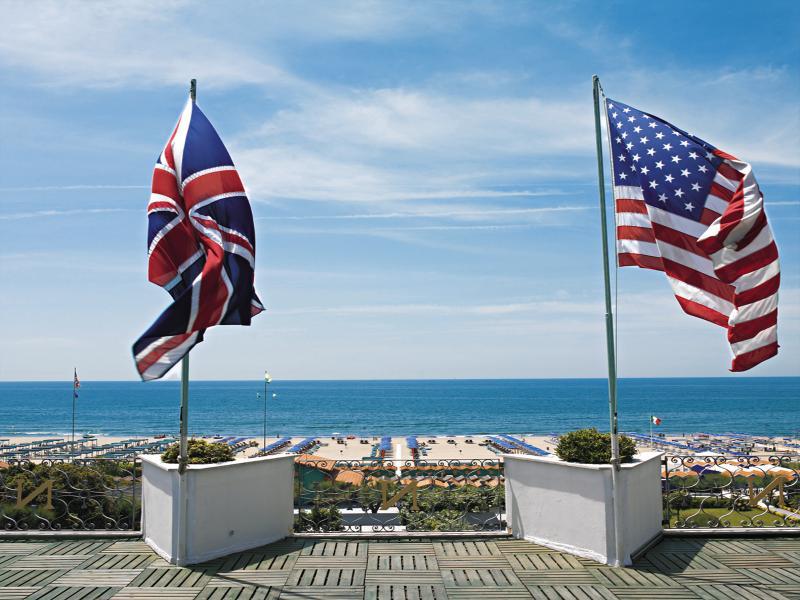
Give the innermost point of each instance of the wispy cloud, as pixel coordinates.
(544, 307)
(70, 188)
(427, 214)
(36, 214)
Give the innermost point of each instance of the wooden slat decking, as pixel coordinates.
(306, 569)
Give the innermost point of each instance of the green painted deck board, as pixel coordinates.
(432, 569)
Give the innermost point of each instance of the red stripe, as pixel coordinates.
(171, 251)
(168, 147)
(161, 206)
(748, 360)
(211, 184)
(632, 206)
(678, 239)
(239, 240)
(720, 192)
(699, 280)
(703, 312)
(727, 170)
(732, 215)
(630, 232)
(230, 237)
(213, 292)
(164, 183)
(761, 291)
(758, 226)
(746, 330)
(150, 359)
(629, 259)
(708, 216)
(748, 264)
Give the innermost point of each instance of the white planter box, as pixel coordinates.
(568, 506)
(229, 507)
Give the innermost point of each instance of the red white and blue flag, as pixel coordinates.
(201, 244)
(695, 212)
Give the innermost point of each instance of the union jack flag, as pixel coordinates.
(695, 212)
(201, 244)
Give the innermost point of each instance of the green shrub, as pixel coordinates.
(448, 519)
(84, 497)
(320, 519)
(200, 452)
(589, 446)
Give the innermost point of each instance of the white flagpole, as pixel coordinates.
(74, 378)
(183, 459)
(609, 318)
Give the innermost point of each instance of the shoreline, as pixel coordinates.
(352, 447)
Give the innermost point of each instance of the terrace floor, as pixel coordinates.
(677, 568)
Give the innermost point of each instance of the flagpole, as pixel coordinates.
(183, 459)
(74, 377)
(609, 318)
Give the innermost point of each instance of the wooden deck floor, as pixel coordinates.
(678, 568)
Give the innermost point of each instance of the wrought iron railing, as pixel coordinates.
(63, 494)
(354, 496)
(725, 491)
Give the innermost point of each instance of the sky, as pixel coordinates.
(422, 174)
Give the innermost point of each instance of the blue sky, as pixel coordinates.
(422, 175)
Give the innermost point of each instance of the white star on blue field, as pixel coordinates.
(422, 175)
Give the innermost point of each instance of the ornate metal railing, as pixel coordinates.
(63, 494)
(444, 495)
(725, 491)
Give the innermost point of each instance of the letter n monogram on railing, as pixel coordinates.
(389, 502)
(777, 482)
(47, 485)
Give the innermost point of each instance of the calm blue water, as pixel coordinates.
(717, 405)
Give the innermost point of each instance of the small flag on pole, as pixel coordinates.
(201, 244)
(76, 384)
(655, 420)
(695, 212)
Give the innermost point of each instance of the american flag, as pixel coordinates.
(76, 383)
(201, 244)
(695, 212)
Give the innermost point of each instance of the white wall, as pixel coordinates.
(230, 506)
(567, 506)
(642, 504)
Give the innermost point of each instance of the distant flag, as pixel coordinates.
(201, 244)
(76, 384)
(695, 212)
(655, 420)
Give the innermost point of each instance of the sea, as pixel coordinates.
(753, 405)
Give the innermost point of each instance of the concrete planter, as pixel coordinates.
(568, 506)
(229, 507)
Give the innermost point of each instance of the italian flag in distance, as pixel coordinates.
(655, 420)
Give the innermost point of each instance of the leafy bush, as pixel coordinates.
(200, 452)
(319, 519)
(449, 509)
(84, 497)
(589, 446)
(448, 519)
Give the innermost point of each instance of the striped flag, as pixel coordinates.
(655, 420)
(695, 212)
(201, 244)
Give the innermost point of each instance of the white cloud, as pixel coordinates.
(111, 44)
(36, 214)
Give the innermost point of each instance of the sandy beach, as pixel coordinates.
(431, 448)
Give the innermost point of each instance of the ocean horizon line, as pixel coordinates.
(408, 379)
